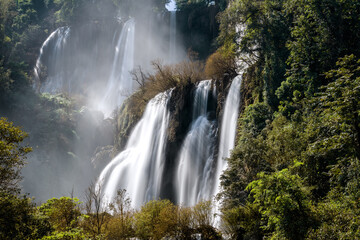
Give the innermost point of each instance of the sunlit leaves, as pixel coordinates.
(63, 213)
(283, 201)
(12, 155)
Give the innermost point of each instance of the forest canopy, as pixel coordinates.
(294, 172)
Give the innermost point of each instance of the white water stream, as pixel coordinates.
(119, 85)
(139, 168)
(228, 129)
(55, 45)
(193, 175)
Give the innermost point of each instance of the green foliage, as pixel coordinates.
(323, 31)
(185, 223)
(159, 219)
(74, 12)
(339, 108)
(339, 219)
(259, 30)
(255, 117)
(19, 220)
(155, 220)
(278, 207)
(241, 222)
(198, 26)
(5, 80)
(182, 5)
(263, 146)
(63, 213)
(72, 234)
(313, 155)
(12, 155)
(120, 225)
(283, 202)
(203, 220)
(342, 97)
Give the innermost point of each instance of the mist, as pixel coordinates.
(89, 61)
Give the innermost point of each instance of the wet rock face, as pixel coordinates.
(180, 107)
(125, 122)
(199, 28)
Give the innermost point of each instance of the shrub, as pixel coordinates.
(219, 64)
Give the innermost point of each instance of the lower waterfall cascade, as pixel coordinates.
(193, 176)
(139, 168)
(228, 128)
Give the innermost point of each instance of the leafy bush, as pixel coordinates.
(63, 213)
(12, 156)
(155, 220)
(219, 64)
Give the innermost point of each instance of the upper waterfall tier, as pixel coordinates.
(94, 61)
(89, 61)
(120, 84)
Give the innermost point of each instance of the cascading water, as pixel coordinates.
(120, 82)
(228, 128)
(193, 177)
(92, 61)
(139, 168)
(54, 46)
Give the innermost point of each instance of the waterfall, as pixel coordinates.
(193, 175)
(120, 81)
(139, 168)
(94, 61)
(228, 128)
(172, 36)
(171, 5)
(54, 46)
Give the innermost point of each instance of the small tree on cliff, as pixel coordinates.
(12, 156)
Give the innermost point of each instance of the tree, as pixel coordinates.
(322, 32)
(339, 107)
(342, 96)
(203, 220)
(71, 234)
(63, 213)
(257, 32)
(185, 223)
(219, 64)
(12, 156)
(19, 219)
(120, 225)
(96, 210)
(283, 202)
(155, 220)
